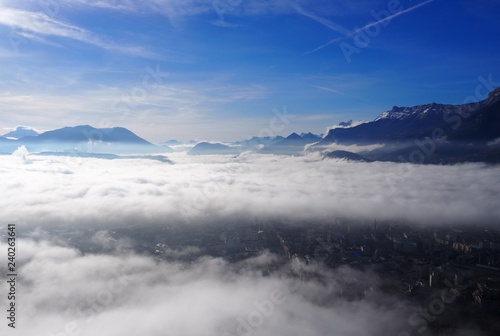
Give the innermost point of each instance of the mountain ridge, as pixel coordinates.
(88, 139)
(420, 111)
(19, 132)
(452, 133)
(441, 133)
(407, 123)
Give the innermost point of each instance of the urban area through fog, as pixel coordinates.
(122, 284)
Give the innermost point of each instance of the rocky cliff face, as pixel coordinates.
(432, 110)
(452, 133)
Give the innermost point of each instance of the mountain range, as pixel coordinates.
(429, 133)
(293, 144)
(85, 140)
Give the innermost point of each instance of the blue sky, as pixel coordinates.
(229, 69)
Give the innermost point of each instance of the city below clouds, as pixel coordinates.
(116, 291)
(129, 294)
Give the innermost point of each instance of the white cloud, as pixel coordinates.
(73, 191)
(36, 25)
(62, 291)
(352, 148)
(494, 142)
(39, 22)
(174, 105)
(350, 123)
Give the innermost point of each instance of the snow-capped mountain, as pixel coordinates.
(407, 123)
(437, 110)
(425, 111)
(451, 133)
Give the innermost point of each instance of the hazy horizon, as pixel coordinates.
(219, 69)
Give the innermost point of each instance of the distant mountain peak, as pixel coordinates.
(90, 139)
(21, 131)
(294, 136)
(310, 136)
(171, 142)
(207, 148)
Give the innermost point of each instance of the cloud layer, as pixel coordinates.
(39, 191)
(61, 292)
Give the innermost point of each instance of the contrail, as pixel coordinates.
(346, 32)
(329, 90)
(335, 40)
(392, 16)
(332, 25)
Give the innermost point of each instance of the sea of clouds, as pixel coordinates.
(62, 291)
(41, 190)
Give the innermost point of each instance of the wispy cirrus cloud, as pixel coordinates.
(39, 22)
(183, 8)
(67, 101)
(38, 26)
